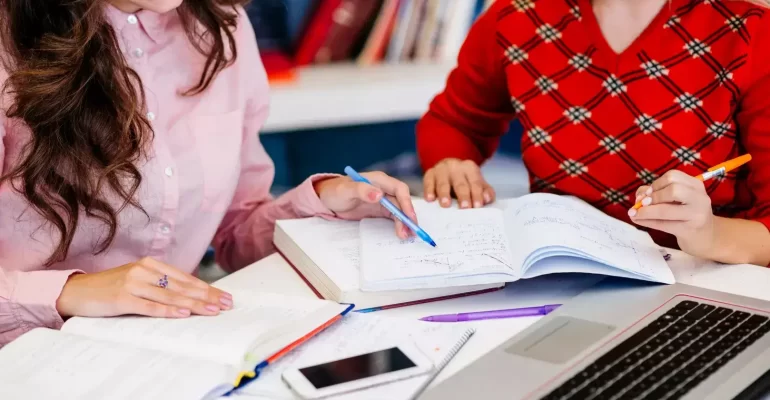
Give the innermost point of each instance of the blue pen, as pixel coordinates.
(393, 209)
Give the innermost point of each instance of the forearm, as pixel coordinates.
(740, 241)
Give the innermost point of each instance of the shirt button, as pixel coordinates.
(138, 53)
(132, 19)
(169, 172)
(151, 116)
(165, 229)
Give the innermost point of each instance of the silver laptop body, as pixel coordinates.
(567, 354)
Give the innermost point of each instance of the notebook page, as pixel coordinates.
(472, 244)
(337, 254)
(355, 334)
(47, 364)
(225, 338)
(545, 224)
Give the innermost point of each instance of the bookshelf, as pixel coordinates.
(335, 95)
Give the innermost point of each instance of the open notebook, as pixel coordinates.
(326, 254)
(150, 358)
(533, 235)
(359, 333)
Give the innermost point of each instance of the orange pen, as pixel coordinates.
(717, 170)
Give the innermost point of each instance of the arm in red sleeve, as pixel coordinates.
(746, 239)
(754, 123)
(468, 118)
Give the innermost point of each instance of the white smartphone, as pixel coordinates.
(357, 372)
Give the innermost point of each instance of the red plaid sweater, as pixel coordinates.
(692, 91)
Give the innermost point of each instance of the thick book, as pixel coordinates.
(128, 358)
(530, 236)
(326, 254)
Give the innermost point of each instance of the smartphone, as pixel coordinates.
(357, 372)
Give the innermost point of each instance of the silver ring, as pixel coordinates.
(163, 282)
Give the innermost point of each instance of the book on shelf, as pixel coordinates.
(367, 32)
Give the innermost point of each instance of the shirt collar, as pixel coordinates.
(154, 24)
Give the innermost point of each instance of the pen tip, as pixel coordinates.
(432, 243)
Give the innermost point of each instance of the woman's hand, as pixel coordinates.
(356, 200)
(678, 204)
(464, 177)
(134, 289)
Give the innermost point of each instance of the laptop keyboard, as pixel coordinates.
(668, 357)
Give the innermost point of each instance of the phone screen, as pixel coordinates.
(358, 367)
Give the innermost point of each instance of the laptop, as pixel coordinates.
(625, 340)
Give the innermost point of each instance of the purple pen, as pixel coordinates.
(478, 316)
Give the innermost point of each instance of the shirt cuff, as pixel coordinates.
(307, 203)
(36, 293)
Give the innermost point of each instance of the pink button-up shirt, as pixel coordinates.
(207, 179)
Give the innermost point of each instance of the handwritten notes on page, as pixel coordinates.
(546, 225)
(472, 245)
(360, 333)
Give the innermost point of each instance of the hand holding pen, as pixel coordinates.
(353, 200)
(398, 214)
(678, 203)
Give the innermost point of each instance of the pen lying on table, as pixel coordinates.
(496, 314)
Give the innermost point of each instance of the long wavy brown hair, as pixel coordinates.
(71, 85)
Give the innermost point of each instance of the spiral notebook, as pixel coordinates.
(359, 333)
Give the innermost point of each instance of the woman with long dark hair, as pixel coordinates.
(128, 144)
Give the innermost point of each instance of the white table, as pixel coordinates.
(274, 274)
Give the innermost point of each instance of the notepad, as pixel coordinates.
(144, 358)
(360, 333)
(533, 235)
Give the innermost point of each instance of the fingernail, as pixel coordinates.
(212, 308)
(464, 204)
(430, 197)
(477, 204)
(649, 191)
(183, 312)
(228, 295)
(405, 231)
(445, 201)
(632, 213)
(487, 198)
(647, 201)
(373, 195)
(227, 302)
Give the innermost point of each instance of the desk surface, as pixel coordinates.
(274, 274)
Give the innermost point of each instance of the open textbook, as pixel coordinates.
(130, 358)
(533, 235)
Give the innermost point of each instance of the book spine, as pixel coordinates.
(316, 33)
(349, 21)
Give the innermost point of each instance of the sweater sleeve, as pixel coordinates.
(754, 123)
(474, 110)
